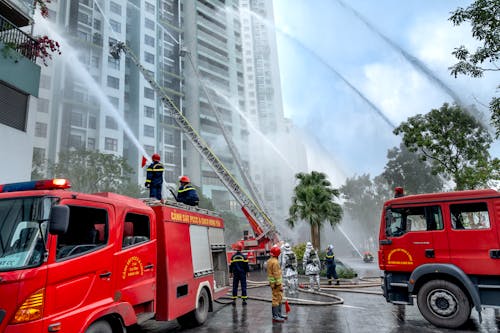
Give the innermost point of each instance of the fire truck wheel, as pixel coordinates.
(443, 303)
(100, 326)
(199, 315)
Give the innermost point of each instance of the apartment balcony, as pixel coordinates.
(18, 58)
(19, 12)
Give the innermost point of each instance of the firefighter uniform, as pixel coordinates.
(288, 262)
(312, 266)
(275, 282)
(239, 269)
(330, 266)
(154, 179)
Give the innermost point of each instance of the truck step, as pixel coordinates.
(142, 317)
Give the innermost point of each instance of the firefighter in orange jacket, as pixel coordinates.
(275, 281)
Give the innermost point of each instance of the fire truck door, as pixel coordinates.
(136, 262)
(80, 264)
(415, 236)
(473, 237)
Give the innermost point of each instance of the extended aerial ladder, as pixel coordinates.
(258, 219)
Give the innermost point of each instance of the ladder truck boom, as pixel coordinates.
(258, 219)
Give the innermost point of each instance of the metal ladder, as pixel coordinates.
(262, 219)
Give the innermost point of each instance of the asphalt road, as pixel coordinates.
(362, 310)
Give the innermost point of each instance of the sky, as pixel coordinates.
(352, 70)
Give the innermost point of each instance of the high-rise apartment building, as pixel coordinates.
(196, 51)
(125, 118)
(19, 80)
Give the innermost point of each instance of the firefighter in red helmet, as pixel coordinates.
(187, 193)
(238, 271)
(275, 282)
(154, 177)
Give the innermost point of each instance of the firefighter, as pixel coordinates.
(187, 193)
(331, 272)
(312, 266)
(275, 282)
(154, 177)
(288, 262)
(238, 271)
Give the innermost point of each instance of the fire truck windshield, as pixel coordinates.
(23, 231)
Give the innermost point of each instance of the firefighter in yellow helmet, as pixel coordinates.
(275, 282)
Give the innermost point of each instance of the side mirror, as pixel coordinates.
(59, 219)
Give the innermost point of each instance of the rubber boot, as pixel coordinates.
(276, 317)
(338, 282)
(329, 282)
(281, 313)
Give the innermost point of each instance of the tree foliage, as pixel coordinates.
(454, 142)
(484, 18)
(92, 171)
(363, 199)
(313, 202)
(406, 169)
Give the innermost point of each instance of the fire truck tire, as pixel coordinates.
(199, 315)
(100, 326)
(444, 304)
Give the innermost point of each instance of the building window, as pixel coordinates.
(115, 26)
(169, 138)
(150, 8)
(149, 131)
(95, 60)
(149, 58)
(113, 63)
(149, 112)
(113, 82)
(97, 24)
(169, 157)
(43, 105)
(92, 121)
(149, 24)
(91, 144)
(76, 119)
(111, 123)
(14, 108)
(149, 93)
(114, 100)
(115, 8)
(148, 40)
(75, 141)
(41, 130)
(110, 144)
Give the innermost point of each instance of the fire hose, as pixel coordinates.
(351, 287)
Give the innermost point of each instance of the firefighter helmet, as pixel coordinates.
(287, 247)
(238, 246)
(309, 245)
(156, 157)
(185, 179)
(275, 251)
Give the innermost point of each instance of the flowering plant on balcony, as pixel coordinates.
(43, 7)
(44, 44)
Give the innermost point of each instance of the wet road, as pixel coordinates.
(360, 312)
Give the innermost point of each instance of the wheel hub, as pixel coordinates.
(442, 303)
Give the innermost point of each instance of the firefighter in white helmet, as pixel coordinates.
(312, 266)
(288, 263)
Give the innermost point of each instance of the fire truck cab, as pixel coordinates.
(443, 249)
(75, 262)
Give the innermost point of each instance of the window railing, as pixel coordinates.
(14, 38)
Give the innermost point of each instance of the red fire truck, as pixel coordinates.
(444, 250)
(74, 262)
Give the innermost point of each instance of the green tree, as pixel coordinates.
(484, 18)
(38, 166)
(363, 199)
(233, 227)
(406, 169)
(455, 144)
(92, 171)
(313, 202)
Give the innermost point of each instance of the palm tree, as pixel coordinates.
(313, 202)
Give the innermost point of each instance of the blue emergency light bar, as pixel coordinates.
(47, 184)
